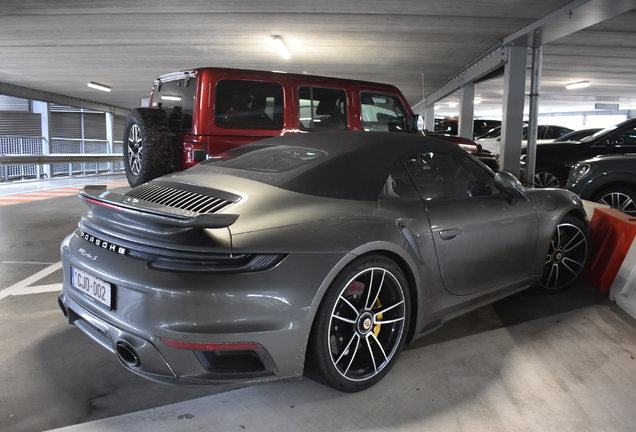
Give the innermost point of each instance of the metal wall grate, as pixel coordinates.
(177, 198)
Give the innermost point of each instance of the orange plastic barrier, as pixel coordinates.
(613, 233)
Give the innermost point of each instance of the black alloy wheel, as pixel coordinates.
(147, 145)
(568, 255)
(361, 325)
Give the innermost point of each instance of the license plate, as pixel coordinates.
(93, 287)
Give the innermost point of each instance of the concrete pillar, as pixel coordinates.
(44, 109)
(429, 117)
(533, 117)
(466, 111)
(110, 133)
(513, 104)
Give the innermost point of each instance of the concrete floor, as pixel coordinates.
(531, 362)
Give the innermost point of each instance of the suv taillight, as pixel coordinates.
(194, 153)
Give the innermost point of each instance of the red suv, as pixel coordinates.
(198, 113)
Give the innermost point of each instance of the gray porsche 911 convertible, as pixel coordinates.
(320, 254)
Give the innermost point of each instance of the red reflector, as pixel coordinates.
(199, 346)
(103, 204)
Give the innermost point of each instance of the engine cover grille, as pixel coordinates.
(184, 197)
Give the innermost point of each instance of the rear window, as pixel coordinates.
(266, 159)
(247, 104)
(176, 98)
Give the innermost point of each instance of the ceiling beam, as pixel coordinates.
(571, 18)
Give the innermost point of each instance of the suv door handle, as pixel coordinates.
(450, 234)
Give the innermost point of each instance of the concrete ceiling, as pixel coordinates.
(58, 46)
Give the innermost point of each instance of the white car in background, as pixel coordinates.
(491, 140)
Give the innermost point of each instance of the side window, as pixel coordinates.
(399, 186)
(626, 138)
(248, 104)
(322, 108)
(440, 175)
(382, 112)
(555, 132)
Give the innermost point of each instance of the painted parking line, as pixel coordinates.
(24, 286)
(54, 193)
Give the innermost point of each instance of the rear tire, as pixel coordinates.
(360, 326)
(147, 146)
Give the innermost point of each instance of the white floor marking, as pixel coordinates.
(23, 287)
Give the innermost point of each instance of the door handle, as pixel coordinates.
(450, 234)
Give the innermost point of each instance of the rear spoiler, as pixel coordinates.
(98, 195)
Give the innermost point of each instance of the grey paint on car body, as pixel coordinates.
(318, 236)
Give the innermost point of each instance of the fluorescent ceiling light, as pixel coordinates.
(281, 47)
(97, 86)
(577, 85)
(170, 98)
(452, 105)
(477, 101)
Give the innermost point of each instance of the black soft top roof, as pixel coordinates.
(354, 165)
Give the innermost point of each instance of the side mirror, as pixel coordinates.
(510, 187)
(416, 123)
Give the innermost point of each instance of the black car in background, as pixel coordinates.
(608, 179)
(554, 160)
(577, 135)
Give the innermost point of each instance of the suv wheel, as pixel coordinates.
(147, 145)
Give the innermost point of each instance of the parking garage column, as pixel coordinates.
(513, 104)
(44, 109)
(110, 133)
(429, 117)
(467, 111)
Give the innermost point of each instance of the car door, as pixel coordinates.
(482, 241)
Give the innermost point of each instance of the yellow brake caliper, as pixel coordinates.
(376, 328)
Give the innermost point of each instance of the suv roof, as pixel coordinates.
(271, 75)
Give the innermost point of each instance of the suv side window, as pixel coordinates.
(382, 112)
(322, 108)
(248, 104)
(440, 175)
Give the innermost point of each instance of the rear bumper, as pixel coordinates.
(271, 311)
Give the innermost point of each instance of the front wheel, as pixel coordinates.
(618, 197)
(548, 177)
(360, 326)
(568, 255)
